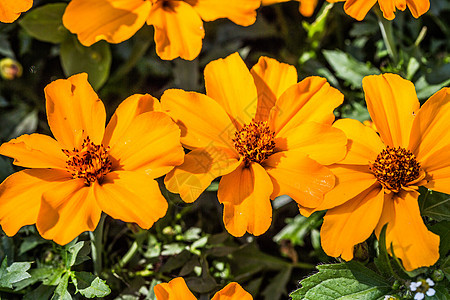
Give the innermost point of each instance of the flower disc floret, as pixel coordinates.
(254, 142)
(396, 168)
(91, 162)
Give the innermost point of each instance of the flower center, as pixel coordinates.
(254, 142)
(396, 168)
(91, 162)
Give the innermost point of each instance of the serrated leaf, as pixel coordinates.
(61, 292)
(95, 60)
(89, 285)
(435, 205)
(342, 281)
(348, 68)
(14, 273)
(45, 23)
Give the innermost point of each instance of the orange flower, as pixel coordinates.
(178, 24)
(89, 169)
(177, 289)
(306, 7)
(10, 10)
(377, 181)
(358, 9)
(265, 134)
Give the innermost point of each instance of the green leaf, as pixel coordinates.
(41, 292)
(298, 228)
(425, 89)
(349, 281)
(72, 253)
(435, 205)
(14, 273)
(277, 286)
(443, 230)
(348, 68)
(94, 60)
(61, 292)
(45, 23)
(5, 168)
(89, 285)
(382, 262)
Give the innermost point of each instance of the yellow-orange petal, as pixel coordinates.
(437, 167)
(131, 197)
(10, 10)
(151, 145)
(232, 291)
(112, 20)
(203, 122)
(178, 29)
(430, 130)
(358, 9)
(20, 196)
(199, 169)
(321, 142)
(351, 180)
(364, 144)
(418, 7)
(124, 115)
(310, 100)
(294, 174)
(351, 223)
(74, 111)
(245, 194)
(411, 241)
(272, 78)
(175, 289)
(307, 7)
(67, 210)
(392, 103)
(35, 151)
(229, 82)
(240, 12)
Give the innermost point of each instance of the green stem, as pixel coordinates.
(128, 256)
(388, 36)
(97, 245)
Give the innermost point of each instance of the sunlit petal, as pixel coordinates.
(173, 290)
(232, 291)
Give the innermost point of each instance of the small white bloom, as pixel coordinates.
(387, 297)
(414, 285)
(431, 292)
(430, 282)
(419, 296)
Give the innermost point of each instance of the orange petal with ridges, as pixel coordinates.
(294, 174)
(35, 151)
(229, 82)
(199, 169)
(358, 9)
(272, 78)
(412, 242)
(430, 130)
(245, 194)
(203, 122)
(351, 223)
(321, 142)
(240, 12)
(310, 100)
(351, 180)
(151, 145)
(418, 7)
(112, 20)
(178, 30)
(437, 167)
(20, 196)
(10, 10)
(364, 144)
(125, 113)
(175, 289)
(392, 103)
(68, 210)
(131, 197)
(232, 291)
(74, 111)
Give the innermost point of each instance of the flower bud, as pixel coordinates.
(10, 69)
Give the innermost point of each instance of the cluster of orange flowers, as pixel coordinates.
(261, 131)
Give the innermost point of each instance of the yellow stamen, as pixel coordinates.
(90, 162)
(254, 142)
